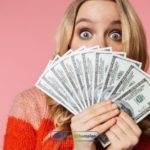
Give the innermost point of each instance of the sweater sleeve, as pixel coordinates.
(24, 120)
(20, 135)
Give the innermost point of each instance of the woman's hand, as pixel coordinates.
(125, 134)
(97, 118)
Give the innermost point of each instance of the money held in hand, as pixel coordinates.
(86, 76)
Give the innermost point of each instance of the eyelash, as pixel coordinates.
(84, 30)
(116, 31)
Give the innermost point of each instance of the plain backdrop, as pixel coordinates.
(27, 41)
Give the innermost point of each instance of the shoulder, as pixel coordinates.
(31, 106)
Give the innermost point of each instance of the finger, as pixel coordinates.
(91, 109)
(130, 134)
(129, 123)
(105, 126)
(99, 111)
(113, 140)
(95, 106)
(101, 119)
(118, 132)
(80, 119)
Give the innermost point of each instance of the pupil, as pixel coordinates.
(116, 36)
(85, 34)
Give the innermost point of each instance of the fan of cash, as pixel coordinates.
(83, 77)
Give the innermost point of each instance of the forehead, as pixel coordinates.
(99, 10)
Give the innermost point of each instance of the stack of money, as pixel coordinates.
(83, 77)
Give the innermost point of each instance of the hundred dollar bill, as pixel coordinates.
(48, 82)
(68, 53)
(51, 62)
(79, 70)
(89, 62)
(61, 76)
(69, 70)
(54, 83)
(96, 47)
(103, 60)
(106, 49)
(135, 102)
(58, 97)
(56, 58)
(118, 67)
(82, 48)
(88, 59)
(131, 77)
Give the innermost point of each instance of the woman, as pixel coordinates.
(34, 115)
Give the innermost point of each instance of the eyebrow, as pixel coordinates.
(84, 20)
(91, 21)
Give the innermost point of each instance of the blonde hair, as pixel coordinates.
(134, 44)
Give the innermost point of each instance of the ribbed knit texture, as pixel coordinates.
(29, 126)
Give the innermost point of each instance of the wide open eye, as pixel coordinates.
(85, 34)
(116, 35)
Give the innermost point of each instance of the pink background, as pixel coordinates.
(27, 39)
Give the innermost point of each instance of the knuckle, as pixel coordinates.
(118, 147)
(100, 119)
(127, 144)
(135, 140)
(73, 118)
(124, 144)
(95, 121)
(110, 114)
(72, 125)
(139, 132)
(100, 129)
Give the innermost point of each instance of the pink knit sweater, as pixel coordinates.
(29, 125)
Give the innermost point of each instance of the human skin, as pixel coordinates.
(98, 23)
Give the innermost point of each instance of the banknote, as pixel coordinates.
(59, 73)
(56, 58)
(106, 49)
(96, 47)
(68, 53)
(88, 59)
(79, 70)
(131, 77)
(103, 60)
(89, 62)
(118, 67)
(53, 82)
(50, 79)
(85, 76)
(43, 86)
(47, 78)
(69, 70)
(135, 102)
